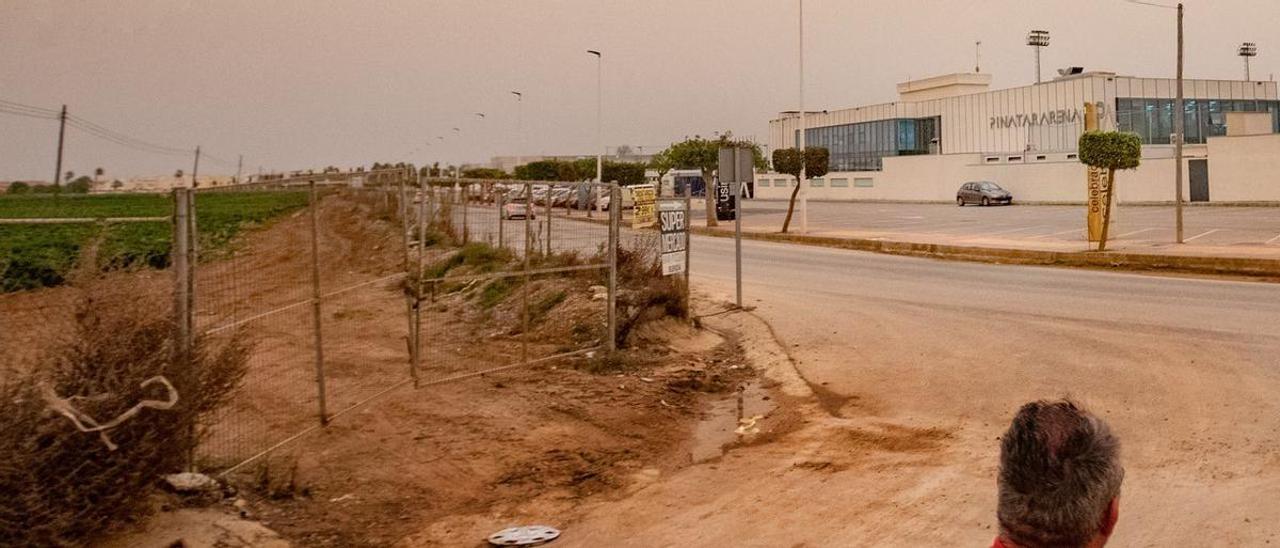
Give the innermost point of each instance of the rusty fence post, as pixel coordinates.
(316, 323)
(615, 218)
(524, 290)
(183, 315)
(418, 284)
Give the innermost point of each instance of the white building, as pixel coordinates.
(947, 130)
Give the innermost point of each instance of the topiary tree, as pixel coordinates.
(1109, 150)
(787, 160)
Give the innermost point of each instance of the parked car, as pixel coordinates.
(518, 208)
(983, 193)
(560, 196)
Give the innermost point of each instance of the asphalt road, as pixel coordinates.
(1225, 226)
(1186, 370)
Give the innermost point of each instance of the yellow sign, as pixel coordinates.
(1097, 201)
(644, 197)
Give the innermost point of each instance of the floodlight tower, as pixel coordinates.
(1038, 39)
(1247, 50)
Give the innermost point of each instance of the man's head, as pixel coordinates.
(1060, 477)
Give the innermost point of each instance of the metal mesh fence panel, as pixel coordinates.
(516, 285)
(323, 257)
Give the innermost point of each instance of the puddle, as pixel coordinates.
(717, 430)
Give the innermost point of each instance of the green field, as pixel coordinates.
(40, 255)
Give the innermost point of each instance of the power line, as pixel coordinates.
(101, 132)
(28, 108)
(121, 138)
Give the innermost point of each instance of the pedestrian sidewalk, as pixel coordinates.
(1130, 254)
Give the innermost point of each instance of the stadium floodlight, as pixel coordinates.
(1038, 39)
(1247, 50)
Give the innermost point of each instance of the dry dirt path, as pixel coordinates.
(920, 364)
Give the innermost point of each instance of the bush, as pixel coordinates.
(1110, 149)
(18, 188)
(63, 486)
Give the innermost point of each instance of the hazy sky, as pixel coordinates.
(308, 83)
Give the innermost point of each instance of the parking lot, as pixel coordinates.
(1247, 230)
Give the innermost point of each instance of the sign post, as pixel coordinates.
(736, 169)
(673, 223)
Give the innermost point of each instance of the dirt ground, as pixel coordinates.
(445, 464)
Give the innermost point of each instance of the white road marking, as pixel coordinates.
(1134, 232)
(1202, 234)
(1009, 231)
(1057, 233)
(1271, 241)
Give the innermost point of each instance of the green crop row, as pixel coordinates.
(41, 255)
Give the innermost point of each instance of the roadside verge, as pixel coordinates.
(1219, 266)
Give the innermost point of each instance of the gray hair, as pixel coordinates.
(1059, 471)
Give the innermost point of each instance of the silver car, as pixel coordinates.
(983, 193)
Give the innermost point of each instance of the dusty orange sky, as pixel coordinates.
(308, 83)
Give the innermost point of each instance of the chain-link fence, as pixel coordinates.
(336, 289)
(350, 290)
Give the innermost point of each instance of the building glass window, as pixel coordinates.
(1152, 119)
(863, 146)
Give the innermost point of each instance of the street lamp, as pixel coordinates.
(1247, 50)
(599, 111)
(804, 157)
(1178, 122)
(1038, 39)
(519, 127)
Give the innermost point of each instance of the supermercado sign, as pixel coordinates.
(1058, 117)
(674, 228)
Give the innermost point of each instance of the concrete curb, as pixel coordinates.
(1228, 266)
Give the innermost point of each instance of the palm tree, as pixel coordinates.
(96, 174)
(68, 176)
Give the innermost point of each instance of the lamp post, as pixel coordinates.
(1178, 122)
(1179, 111)
(1247, 50)
(519, 127)
(804, 191)
(599, 114)
(1038, 39)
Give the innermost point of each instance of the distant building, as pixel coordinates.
(509, 163)
(947, 130)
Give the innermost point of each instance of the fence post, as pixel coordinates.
(315, 301)
(615, 216)
(180, 254)
(524, 291)
(501, 200)
(416, 353)
(550, 191)
(466, 228)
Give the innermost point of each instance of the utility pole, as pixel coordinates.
(62, 131)
(239, 168)
(1178, 116)
(977, 57)
(804, 157)
(195, 168)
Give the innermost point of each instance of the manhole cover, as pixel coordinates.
(530, 535)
